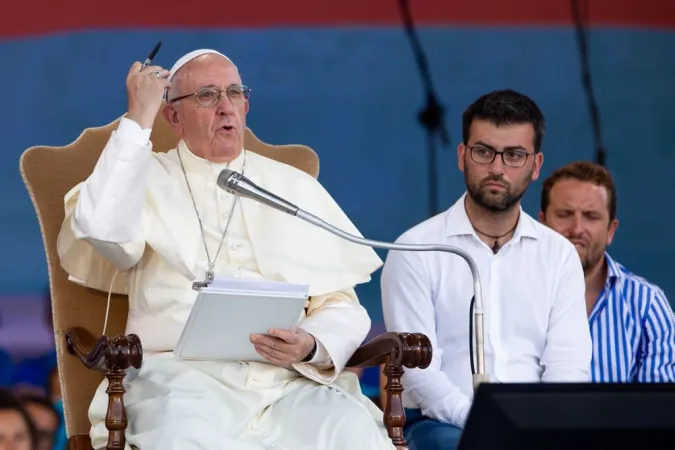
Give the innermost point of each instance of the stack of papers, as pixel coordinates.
(230, 310)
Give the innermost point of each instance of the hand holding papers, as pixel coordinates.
(285, 347)
(230, 310)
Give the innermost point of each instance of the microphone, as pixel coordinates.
(237, 184)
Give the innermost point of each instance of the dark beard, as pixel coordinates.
(592, 258)
(492, 203)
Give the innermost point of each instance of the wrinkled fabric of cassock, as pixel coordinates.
(132, 227)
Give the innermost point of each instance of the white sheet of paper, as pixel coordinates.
(228, 311)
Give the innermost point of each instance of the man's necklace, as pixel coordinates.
(211, 263)
(496, 246)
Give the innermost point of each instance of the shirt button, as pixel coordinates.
(235, 247)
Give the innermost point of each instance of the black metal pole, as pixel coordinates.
(431, 116)
(600, 153)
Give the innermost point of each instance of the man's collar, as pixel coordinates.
(196, 164)
(457, 222)
(613, 269)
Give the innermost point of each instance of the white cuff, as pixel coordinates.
(321, 357)
(131, 132)
(461, 413)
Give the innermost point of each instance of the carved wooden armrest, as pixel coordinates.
(395, 350)
(114, 355)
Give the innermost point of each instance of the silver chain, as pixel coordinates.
(211, 263)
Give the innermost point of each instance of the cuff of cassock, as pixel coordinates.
(316, 373)
(320, 368)
(321, 357)
(132, 132)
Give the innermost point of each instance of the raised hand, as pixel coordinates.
(145, 90)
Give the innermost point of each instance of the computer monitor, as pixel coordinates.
(575, 416)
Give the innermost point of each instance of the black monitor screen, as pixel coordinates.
(576, 416)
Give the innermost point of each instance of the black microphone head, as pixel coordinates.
(228, 179)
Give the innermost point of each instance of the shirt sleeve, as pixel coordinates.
(569, 348)
(408, 306)
(657, 361)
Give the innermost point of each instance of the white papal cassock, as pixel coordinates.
(134, 216)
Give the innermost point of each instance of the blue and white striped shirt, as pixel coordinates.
(633, 330)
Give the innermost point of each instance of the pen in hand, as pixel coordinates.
(151, 56)
(146, 93)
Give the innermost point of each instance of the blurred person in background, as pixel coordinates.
(631, 320)
(45, 417)
(38, 377)
(17, 431)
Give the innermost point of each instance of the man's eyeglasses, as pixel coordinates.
(209, 97)
(511, 158)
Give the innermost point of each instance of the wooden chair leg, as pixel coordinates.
(394, 415)
(116, 416)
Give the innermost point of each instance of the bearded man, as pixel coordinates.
(631, 321)
(533, 283)
(161, 222)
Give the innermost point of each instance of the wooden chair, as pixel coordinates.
(84, 356)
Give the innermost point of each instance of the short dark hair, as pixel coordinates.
(581, 171)
(505, 107)
(29, 397)
(8, 402)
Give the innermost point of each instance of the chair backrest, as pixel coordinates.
(49, 173)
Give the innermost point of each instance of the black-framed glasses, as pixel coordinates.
(512, 157)
(208, 97)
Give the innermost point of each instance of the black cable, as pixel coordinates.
(473, 368)
(431, 116)
(586, 81)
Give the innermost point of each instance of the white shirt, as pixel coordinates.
(535, 321)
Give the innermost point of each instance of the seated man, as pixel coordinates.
(162, 222)
(532, 282)
(631, 321)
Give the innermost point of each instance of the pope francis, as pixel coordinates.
(150, 224)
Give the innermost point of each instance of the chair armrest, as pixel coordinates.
(106, 353)
(395, 350)
(114, 355)
(407, 349)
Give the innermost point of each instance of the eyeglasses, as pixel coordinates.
(209, 97)
(511, 158)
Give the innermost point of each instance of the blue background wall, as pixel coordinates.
(352, 93)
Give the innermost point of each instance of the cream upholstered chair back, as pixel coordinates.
(49, 173)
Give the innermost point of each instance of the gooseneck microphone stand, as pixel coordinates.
(235, 183)
(479, 376)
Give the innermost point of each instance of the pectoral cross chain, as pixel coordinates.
(197, 285)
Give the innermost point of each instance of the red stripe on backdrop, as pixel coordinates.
(28, 17)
